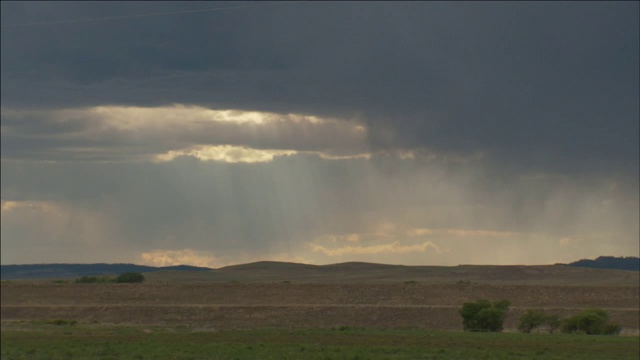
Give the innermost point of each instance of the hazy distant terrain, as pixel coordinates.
(610, 262)
(353, 271)
(64, 271)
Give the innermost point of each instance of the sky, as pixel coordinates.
(415, 133)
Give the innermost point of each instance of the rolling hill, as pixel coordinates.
(367, 273)
(583, 272)
(610, 262)
(65, 271)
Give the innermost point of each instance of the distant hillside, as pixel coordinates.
(369, 273)
(63, 271)
(610, 262)
(604, 269)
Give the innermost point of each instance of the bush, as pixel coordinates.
(591, 322)
(62, 322)
(553, 322)
(482, 315)
(130, 277)
(612, 329)
(533, 319)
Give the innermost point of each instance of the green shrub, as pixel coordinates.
(533, 319)
(591, 322)
(553, 322)
(130, 277)
(612, 329)
(482, 315)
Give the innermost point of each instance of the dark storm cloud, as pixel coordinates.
(547, 85)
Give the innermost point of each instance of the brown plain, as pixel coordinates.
(285, 295)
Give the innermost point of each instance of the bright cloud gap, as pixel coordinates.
(161, 134)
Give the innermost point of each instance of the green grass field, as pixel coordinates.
(41, 340)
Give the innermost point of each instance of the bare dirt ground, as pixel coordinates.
(303, 305)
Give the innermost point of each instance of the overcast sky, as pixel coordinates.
(418, 133)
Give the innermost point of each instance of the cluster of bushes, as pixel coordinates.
(128, 277)
(483, 315)
(590, 321)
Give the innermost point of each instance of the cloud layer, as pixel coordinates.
(317, 209)
(422, 133)
(163, 133)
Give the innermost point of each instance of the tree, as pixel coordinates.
(553, 322)
(130, 277)
(533, 319)
(491, 319)
(482, 315)
(470, 311)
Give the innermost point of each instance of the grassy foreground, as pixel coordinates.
(41, 340)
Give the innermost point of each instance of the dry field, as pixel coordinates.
(322, 301)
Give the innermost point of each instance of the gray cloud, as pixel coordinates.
(553, 85)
